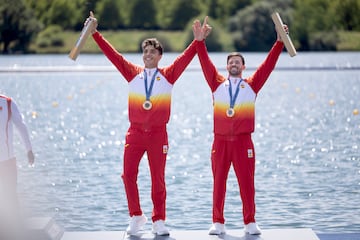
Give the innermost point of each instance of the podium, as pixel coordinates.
(43, 228)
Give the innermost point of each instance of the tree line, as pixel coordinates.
(314, 24)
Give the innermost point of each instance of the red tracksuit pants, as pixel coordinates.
(238, 151)
(154, 142)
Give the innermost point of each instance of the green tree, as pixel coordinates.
(17, 25)
(222, 10)
(142, 14)
(164, 13)
(39, 8)
(184, 11)
(108, 14)
(311, 17)
(44, 9)
(346, 14)
(63, 13)
(253, 28)
(88, 5)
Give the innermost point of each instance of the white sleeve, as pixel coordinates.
(18, 121)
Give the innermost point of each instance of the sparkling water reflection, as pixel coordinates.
(307, 143)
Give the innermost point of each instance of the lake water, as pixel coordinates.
(307, 143)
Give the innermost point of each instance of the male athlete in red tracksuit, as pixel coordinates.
(234, 117)
(149, 105)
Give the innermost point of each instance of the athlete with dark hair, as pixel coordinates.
(234, 119)
(149, 105)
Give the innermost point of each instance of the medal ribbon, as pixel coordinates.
(149, 90)
(232, 99)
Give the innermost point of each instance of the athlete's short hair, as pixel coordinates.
(152, 42)
(236, 54)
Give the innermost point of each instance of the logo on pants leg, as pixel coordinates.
(165, 149)
(250, 153)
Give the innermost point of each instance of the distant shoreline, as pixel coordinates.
(128, 41)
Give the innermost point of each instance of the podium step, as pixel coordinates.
(43, 228)
(271, 234)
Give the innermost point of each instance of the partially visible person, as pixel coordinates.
(9, 117)
(234, 119)
(149, 104)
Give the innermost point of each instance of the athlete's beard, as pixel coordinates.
(235, 72)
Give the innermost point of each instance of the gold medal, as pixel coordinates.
(230, 112)
(147, 105)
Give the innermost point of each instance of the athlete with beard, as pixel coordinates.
(234, 119)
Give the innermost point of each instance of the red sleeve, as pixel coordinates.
(127, 69)
(173, 72)
(258, 79)
(212, 76)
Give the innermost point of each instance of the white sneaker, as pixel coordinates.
(159, 228)
(217, 229)
(136, 224)
(252, 228)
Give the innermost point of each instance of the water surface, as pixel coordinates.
(307, 143)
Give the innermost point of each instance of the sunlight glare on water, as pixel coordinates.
(307, 144)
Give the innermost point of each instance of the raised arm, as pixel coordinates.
(258, 79)
(127, 69)
(211, 74)
(201, 31)
(174, 70)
